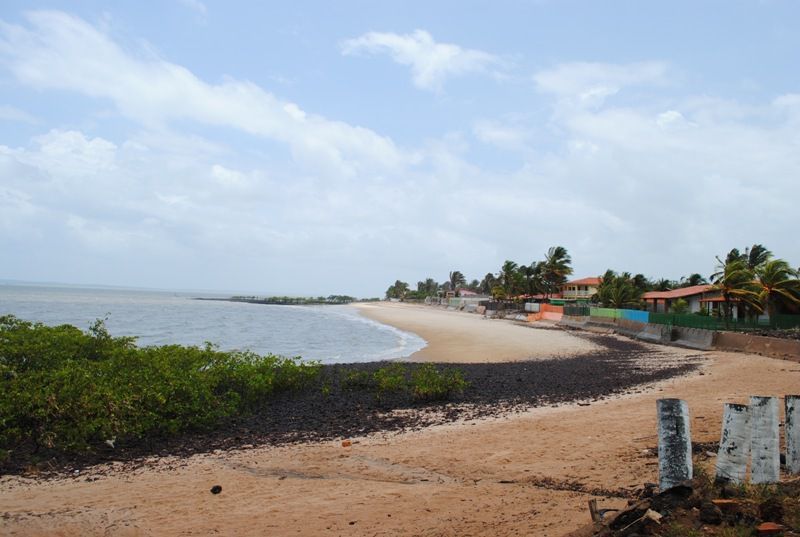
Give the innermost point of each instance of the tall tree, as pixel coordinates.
(557, 266)
(756, 256)
(691, 280)
(509, 276)
(777, 284)
(488, 283)
(734, 280)
(663, 285)
(398, 290)
(618, 290)
(456, 280)
(532, 274)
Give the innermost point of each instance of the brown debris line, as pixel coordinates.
(495, 389)
(699, 509)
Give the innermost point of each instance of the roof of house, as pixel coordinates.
(467, 292)
(585, 281)
(678, 293)
(540, 296)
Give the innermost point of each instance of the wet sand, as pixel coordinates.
(524, 474)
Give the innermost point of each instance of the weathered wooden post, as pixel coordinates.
(674, 443)
(734, 445)
(792, 432)
(764, 440)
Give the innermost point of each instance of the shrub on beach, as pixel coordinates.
(422, 383)
(63, 389)
(429, 384)
(66, 391)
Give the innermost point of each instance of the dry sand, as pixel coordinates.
(528, 474)
(455, 336)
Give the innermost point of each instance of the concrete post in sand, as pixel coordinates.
(764, 440)
(734, 445)
(792, 431)
(674, 443)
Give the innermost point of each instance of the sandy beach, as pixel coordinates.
(459, 337)
(529, 473)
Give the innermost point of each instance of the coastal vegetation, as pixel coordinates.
(66, 391)
(70, 398)
(538, 277)
(753, 279)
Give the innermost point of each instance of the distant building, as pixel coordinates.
(583, 289)
(695, 296)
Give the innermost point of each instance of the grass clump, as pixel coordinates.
(422, 383)
(430, 384)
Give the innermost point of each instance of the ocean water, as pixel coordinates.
(330, 334)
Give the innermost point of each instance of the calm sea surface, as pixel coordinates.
(326, 333)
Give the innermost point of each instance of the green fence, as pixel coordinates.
(688, 321)
(576, 311)
(605, 312)
(716, 323)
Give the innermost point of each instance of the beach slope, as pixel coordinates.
(529, 473)
(459, 337)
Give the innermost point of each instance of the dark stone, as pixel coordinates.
(730, 491)
(771, 510)
(216, 489)
(710, 513)
(672, 498)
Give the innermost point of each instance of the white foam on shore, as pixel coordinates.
(407, 342)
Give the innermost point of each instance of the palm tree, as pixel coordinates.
(488, 282)
(756, 256)
(508, 276)
(734, 280)
(752, 258)
(663, 285)
(456, 280)
(777, 284)
(556, 267)
(532, 275)
(398, 290)
(692, 280)
(618, 291)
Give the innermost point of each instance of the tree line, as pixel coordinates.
(513, 279)
(753, 278)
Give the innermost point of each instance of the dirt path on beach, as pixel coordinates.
(526, 474)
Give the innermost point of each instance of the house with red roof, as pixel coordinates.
(583, 289)
(696, 296)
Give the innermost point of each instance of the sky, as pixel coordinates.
(334, 147)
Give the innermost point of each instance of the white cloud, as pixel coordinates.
(431, 63)
(500, 135)
(11, 113)
(63, 52)
(73, 153)
(657, 185)
(589, 84)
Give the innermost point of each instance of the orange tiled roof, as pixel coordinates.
(678, 293)
(585, 281)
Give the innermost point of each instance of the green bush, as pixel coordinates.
(430, 384)
(63, 389)
(391, 378)
(358, 380)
